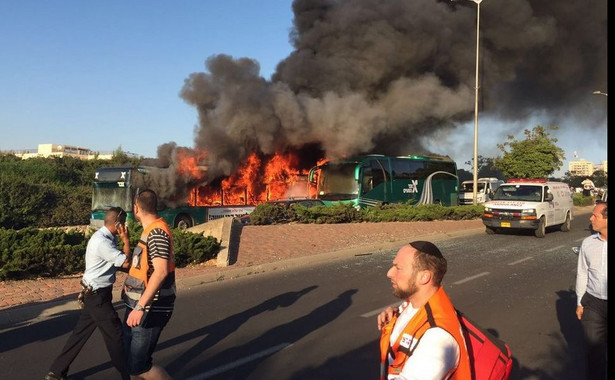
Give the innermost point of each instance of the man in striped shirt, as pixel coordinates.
(149, 290)
(592, 295)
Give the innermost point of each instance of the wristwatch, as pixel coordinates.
(139, 308)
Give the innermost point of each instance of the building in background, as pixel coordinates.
(583, 167)
(57, 150)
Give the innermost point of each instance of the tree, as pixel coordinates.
(536, 156)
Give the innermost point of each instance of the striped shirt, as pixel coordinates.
(159, 246)
(592, 274)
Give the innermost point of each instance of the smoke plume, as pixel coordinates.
(374, 76)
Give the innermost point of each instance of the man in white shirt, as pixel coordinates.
(592, 292)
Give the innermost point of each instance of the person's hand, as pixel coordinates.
(134, 318)
(579, 312)
(385, 316)
(122, 231)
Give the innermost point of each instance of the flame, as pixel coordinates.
(188, 163)
(258, 179)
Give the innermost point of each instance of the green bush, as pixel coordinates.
(49, 192)
(344, 213)
(32, 253)
(580, 200)
(268, 213)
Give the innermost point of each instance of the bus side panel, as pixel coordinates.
(444, 190)
(404, 191)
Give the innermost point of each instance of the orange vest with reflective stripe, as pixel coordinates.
(141, 272)
(439, 309)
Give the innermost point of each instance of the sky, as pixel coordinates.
(110, 74)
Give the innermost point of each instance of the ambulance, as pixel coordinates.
(533, 204)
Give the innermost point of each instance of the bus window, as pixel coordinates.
(379, 173)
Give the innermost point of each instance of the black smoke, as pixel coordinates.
(380, 76)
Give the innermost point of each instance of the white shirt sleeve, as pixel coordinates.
(435, 357)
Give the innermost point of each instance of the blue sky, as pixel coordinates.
(101, 74)
(105, 74)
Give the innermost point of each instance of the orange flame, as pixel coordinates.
(188, 163)
(257, 180)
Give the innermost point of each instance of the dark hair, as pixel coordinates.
(147, 200)
(604, 210)
(115, 215)
(430, 258)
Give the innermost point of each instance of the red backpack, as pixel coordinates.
(490, 357)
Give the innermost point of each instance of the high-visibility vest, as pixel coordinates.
(137, 278)
(440, 308)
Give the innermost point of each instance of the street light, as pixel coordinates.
(604, 167)
(475, 169)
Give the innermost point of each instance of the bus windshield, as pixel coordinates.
(336, 182)
(108, 194)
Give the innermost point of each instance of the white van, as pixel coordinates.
(529, 204)
(485, 187)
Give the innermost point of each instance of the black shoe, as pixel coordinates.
(53, 376)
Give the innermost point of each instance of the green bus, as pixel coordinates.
(373, 179)
(117, 186)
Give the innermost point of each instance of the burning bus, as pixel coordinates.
(186, 199)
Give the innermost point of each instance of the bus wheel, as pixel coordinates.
(183, 222)
(489, 230)
(541, 230)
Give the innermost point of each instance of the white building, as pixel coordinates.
(585, 168)
(57, 150)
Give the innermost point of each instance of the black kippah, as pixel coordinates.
(427, 247)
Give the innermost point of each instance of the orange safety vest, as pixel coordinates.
(439, 309)
(137, 278)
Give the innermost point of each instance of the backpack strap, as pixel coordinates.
(432, 323)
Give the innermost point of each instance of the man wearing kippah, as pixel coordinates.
(421, 339)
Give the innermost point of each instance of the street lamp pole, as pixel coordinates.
(607, 133)
(475, 177)
(475, 160)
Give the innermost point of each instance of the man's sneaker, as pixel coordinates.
(53, 376)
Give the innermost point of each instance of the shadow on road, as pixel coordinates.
(567, 357)
(279, 336)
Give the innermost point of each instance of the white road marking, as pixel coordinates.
(471, 278)
(520, 261)
(377, 311)
(554, 248)
(240, 362)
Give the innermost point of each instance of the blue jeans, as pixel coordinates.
(140, 341)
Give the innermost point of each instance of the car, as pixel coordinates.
(287, 203)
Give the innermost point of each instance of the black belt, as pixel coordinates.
(100, 290)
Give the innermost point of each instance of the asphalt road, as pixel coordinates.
(319, 321)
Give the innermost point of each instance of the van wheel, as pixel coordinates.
(489, 230)
(541, 230)
(183, 222)
(566, 226)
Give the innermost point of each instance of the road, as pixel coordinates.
(319, 322)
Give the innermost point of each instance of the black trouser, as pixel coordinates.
(98, 312)
(594, 323)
